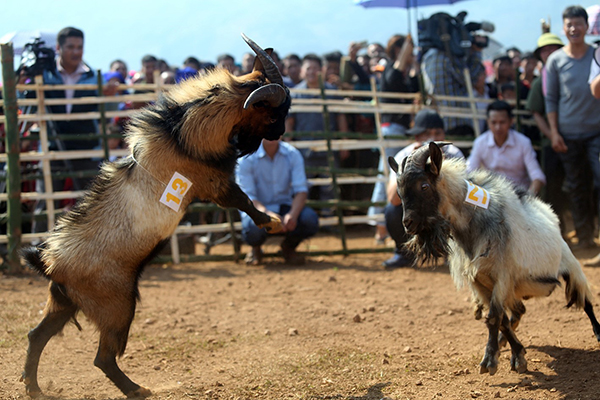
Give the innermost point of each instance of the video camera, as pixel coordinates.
(36, 58)
(447, 33)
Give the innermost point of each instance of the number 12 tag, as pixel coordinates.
(176, 189)
(477, 195)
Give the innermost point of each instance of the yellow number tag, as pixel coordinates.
(176, 189)
(477, 196)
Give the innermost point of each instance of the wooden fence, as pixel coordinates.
(325, 101)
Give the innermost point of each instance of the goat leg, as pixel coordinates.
(39, 336)
(59, 311)
(517, 360)
(589, 310)
(106, 361)
(489, 364)
(517, 312)
(236, 198)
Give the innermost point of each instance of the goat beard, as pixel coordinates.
(431, 243)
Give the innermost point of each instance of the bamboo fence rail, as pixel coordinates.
(324, 101)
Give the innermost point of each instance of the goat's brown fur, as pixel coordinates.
(95, 254)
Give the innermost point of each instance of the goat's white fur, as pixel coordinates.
(535, 247)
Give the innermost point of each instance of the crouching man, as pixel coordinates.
(428, 126)
(275, 180)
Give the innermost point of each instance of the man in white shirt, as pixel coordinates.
(506, 151)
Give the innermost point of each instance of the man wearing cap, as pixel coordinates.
(575, 122)
(428, 126)
(547, 44)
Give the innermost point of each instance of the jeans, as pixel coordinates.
(393, 223)
(579, 162)
(555, 177)
(307, 226)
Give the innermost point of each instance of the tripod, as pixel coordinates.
(54, 143)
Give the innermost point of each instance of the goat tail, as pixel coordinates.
(577, 289)
(33, 257)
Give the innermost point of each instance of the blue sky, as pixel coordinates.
(176, 29)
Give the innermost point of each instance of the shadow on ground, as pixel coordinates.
(576, 373)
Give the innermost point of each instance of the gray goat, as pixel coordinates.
(502, 242)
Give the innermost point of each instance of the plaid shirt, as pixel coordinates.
(443, 76)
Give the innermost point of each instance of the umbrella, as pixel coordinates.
(593, 19)
(403, 3)
(20, 38)
(408, 4)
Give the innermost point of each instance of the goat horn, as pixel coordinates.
(419, 157)
(272, 93)
(271, 70)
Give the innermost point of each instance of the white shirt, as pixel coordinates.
(71, 79)
(515, 159)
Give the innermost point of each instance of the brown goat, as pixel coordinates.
(183, 147)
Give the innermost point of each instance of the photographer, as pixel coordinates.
(443, 62)
(69, 69)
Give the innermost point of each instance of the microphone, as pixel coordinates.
(483, 25)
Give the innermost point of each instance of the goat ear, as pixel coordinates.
(436, 157)
(393, 164)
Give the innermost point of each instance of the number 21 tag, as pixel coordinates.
(176, 189)
(477, 196)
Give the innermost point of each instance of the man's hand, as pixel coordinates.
(110, 89)
(558, 144)
(354, 49)
(289, 223)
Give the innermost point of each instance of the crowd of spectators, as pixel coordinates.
(551, 81)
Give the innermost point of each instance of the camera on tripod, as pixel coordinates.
(447, 33)
(36, 58)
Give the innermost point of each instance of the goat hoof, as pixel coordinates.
(273, 226)
(34, 393)
(518, 363)
(487, 369)
(32, 389)
(141, 392)
(489, 365)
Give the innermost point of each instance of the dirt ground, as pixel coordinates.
(336, 328)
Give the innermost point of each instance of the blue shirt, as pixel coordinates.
(311, 121)
(275, 181)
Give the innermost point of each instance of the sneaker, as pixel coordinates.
(397, 261)
(594, 262)
(254, 257)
